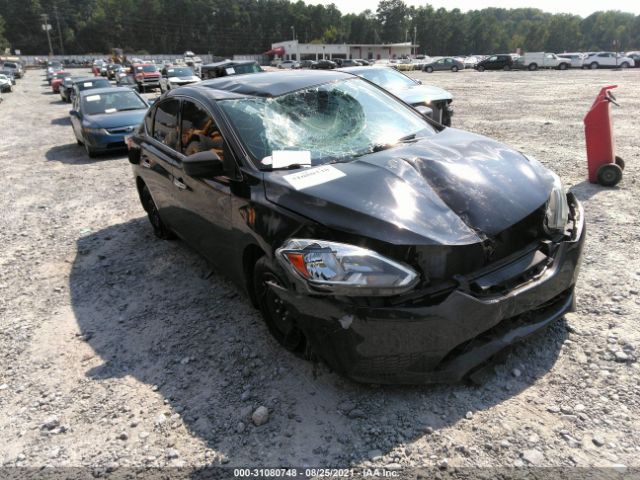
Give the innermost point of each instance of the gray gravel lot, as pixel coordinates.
(119, 350)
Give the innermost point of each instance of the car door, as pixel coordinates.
(492, 63)
(158, 157)
(76, 118)
(205, 203)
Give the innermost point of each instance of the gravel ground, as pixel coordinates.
(119, 350)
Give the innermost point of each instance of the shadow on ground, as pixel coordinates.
(585, 190)
(65, 121)
(74, 154)
(155, 311)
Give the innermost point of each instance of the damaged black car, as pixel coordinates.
(395, 249)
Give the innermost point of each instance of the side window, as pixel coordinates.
(493, 59)
(165, 125)
(199, 131)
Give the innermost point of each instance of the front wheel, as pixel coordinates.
(563, 66)
(429, 69)
(507, 68)
(481, 69)
(90, 151)
(280, 321)
(159, 228)
(624, 65)
(594, 66)
(454, 68)
(533, 66)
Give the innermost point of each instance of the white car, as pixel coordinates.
(576, 58)
(5, 83)
(173, 77)
(607, 60)
(288, 64)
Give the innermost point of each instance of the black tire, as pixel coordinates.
(279, 320)
(90, 151)
(533, 66)
(481, 68)
(429, 69)
(563, 66)
(454, 68)
(594, 65)
(624, 65)
(159, 228)
(620, 162)
(79, 142)
(506, 68)
(609, 175)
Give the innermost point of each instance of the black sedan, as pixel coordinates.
(395, 249)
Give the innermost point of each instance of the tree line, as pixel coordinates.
(223, 27)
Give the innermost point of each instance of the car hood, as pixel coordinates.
(116, 119)
(454, 188)
(187, 78)
(421, 93)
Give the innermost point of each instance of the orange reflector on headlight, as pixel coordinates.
(297, 260)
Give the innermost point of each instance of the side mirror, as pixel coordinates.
(74, 113)
(205, 164)
(424, 111)
(419, 82)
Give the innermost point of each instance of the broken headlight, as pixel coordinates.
(557, 209)
(342, 269)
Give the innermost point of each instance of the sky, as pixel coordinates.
(583, 8)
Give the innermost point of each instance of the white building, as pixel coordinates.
(293, 50)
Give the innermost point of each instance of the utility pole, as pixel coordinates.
(46, 27)
(55, 11)
(415, 31)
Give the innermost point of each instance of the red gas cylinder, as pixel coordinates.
(604, 167)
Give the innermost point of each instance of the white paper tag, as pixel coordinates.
(313, 176)
(230, 70)
(110, 110)
(92, 98)
(87, 84)
(284, 158)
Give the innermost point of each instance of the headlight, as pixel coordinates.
(557, 211)
(341, 269)
(96, 131)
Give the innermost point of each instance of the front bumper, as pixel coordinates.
(442, 342)
(105, 142)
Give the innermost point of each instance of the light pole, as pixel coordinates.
(293, 33)
(46, 27)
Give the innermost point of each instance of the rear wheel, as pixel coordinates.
(609, 175)
(533, 66)
(481, 68)
(454, 68)
(429, 69)
(563, 66)
(506, 68)
(280, 321)
(159, 228)
(594, 66)
(624, 65)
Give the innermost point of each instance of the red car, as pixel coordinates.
(57, 80)
(146, 75)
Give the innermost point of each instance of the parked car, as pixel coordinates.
(87, 83)
(57, 80)
(15, 68)
(495, 62)
(146, 75)
(607, 60)
(347, 62)
(128, 81)
(102, 117)
(432, 101)
(66, 88)
(535, 60)
(52, 67)
(5, 83)
(576, 58)
(173, 77)
(289, 64)
(472, 60)
(361, 61)
(229, 67)
(635, 56)
(307, 63)
(113, 69)
(369, 250)
(9, 74)
(324, 65)
(446, 63)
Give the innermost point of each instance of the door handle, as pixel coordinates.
(178, 183)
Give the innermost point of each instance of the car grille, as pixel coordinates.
(151, 79)
(118, 130)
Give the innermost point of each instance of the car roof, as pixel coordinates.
(98, 91)
(229, 62)
(87, 79)
(268, 84)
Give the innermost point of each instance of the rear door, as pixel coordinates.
(205, 203)
(158, 157)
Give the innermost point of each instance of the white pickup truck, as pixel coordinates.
(536, 60)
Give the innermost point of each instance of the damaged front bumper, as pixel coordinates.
(417, 343)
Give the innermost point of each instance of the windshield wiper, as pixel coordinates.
(129, 108)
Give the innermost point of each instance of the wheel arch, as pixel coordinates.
(251, 254)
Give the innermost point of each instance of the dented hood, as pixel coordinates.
(453, 188)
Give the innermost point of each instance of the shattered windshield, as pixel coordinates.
(326, 123)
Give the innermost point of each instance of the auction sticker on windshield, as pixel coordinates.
(93, 98)
(313, 176)
(87, 84)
